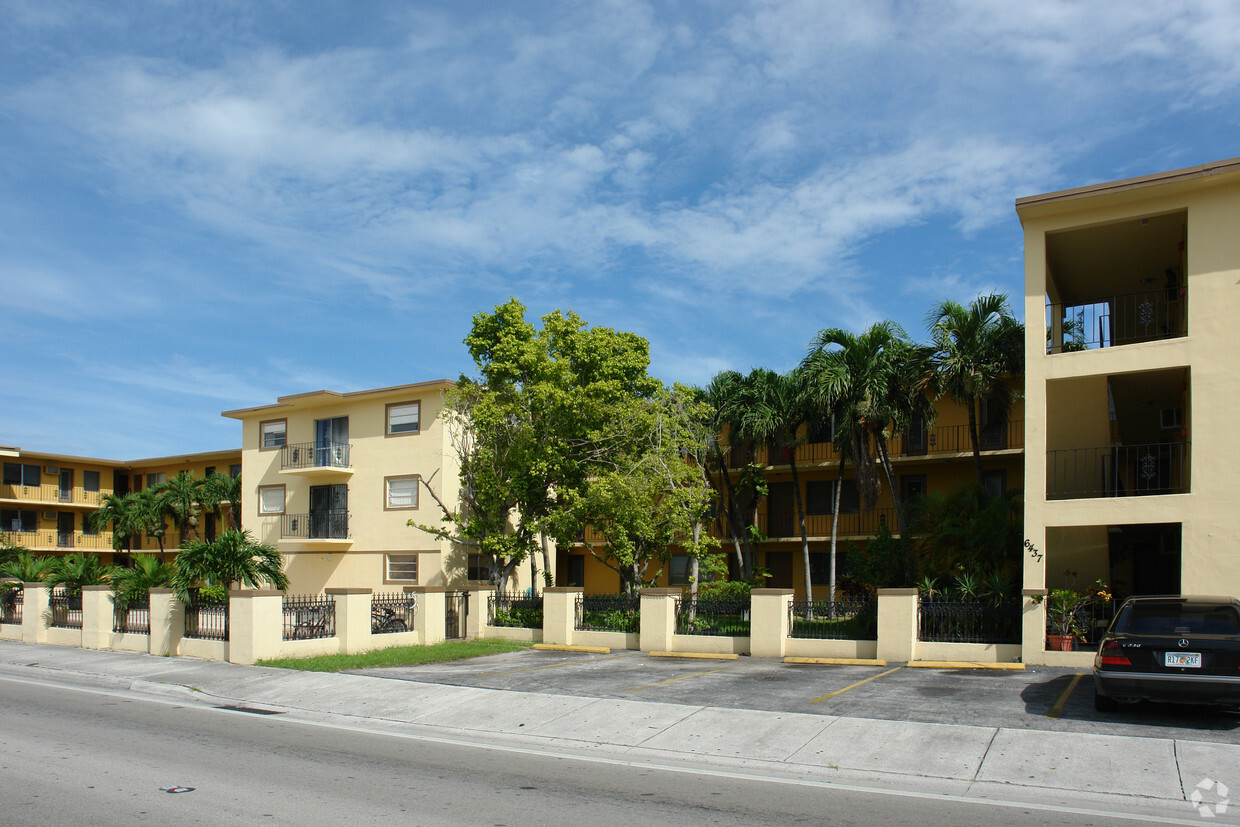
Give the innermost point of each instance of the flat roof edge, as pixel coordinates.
(1187, 173)
(290, 400)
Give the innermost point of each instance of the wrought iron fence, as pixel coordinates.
(518, 611)
(608, 613)
(205, 621)
(1091, 624)
(134, 618)
(309, 617)
(391, 613)
(66, 608)
(315, 455)
(967, 621)
(1117, 471)
(1121, 319)
(853, 618)
(712, 616)
(455, 613)
(11, 606)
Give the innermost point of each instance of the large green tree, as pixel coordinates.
(737, 498)
(180, 498)
(976, 349)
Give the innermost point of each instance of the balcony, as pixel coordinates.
(1112, 321)
(49, 539)
(329, 528)
(941, 440)
(315, 459)
(50, 495)
(1117, 471)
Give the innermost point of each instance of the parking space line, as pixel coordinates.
(548, 666)
(830, 695)
(674, 680)
(1057, 708)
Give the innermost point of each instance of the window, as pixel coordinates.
(17, 474)
(155, 478)
(818, 497)
(402, 418)
(210, 528)
(272, 434)
(822, 430)
(402, 492)
(478, 569)
(678, 569)
(90, 481)
(234, 471)
(271, 499)
(403, 567)
(87, 525)
(995, 483)
(208, 471)
(11, 519)
(576, 570)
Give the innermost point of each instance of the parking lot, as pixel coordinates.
(1049, 698)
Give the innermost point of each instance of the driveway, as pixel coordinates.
(1044, 698)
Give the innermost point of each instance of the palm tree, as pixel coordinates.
(722, 395)
(976, 348)
(73, 571)
(221, 489)
(120, 513)
(232, 558)
(26, 567)
(131, 585)
(180, 498)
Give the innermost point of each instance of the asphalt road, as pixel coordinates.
(99, 755)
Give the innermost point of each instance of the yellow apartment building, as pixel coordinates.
(331, 480)
(46, 499)
(1139, 284)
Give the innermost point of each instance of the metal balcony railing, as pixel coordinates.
(944, 439)
(50, 493)
(1122, 319)
(783, 524)
(50, 538)
(315, 455)
(1117, 471)
(317, 525)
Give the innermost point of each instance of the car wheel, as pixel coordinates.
(1104, 704)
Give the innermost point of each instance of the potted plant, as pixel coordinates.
(1065, 614)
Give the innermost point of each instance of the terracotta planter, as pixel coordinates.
(1060, 643)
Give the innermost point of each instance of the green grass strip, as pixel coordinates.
(399, 656)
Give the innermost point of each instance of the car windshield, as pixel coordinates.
(1169, 618)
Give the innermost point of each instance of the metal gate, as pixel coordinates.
(456, 609)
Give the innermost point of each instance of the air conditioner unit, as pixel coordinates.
(49, 515)
(50, 469)
(1172, 418)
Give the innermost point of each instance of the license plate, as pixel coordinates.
(1189, 660)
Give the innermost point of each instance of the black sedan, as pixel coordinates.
(1173, 649)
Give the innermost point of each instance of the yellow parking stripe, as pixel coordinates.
(1062, 701)
(548, 666)
(830, 695)
(673, 680)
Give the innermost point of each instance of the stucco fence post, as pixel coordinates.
(476, 617)
(1033, 626)
(897, 624)
(352, 619)
(167, 622)
(429, 618)
(560, 614)
(97, 615)
(35, 612)
(255, 624)
(768, 622)
(658, 619)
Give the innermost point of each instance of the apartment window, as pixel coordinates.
(234, 471)
(209, 532)
(90, 481)
(402, 492)
(17, 474)
(155, 478)
(402, 567)
(576, 570)
(822, 430)
(271, 499)
(11, 519)
(678, 569)
(88, 525)
(478, 568)
(403, 418)
(273, 433)
(818, 496)
(995, 483)
(208, 471)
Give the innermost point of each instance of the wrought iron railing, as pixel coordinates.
(51, 538)
(1122, 319)
(317, 525)
(847, 619)
(66, 608)
(205, 621)
(315, 455)
(11, 606)
(134, 618)
(726, 617)
(608, 613)
(391, 613)
(1117, 471)
(309, 617)
(519, 611)
(943, 439)
(51, 493)
(783, 524)
(967, 621)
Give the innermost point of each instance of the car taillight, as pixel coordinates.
(1111, 656)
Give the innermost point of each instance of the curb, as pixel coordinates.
(836, 661)
(965, 664)
(699, 655)
(564, 647)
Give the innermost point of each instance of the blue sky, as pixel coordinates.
(206, 205)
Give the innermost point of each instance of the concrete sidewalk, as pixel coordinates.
(1151, 778)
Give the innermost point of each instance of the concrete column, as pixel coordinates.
(167, 622)
(255, 624)
(428, 620)
(897, 624)
(35, 613)
(476, 619)
(768, 622)
(352, 619)
(658, 619)
(1033, 626)
(97, 616)
(560, 613)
